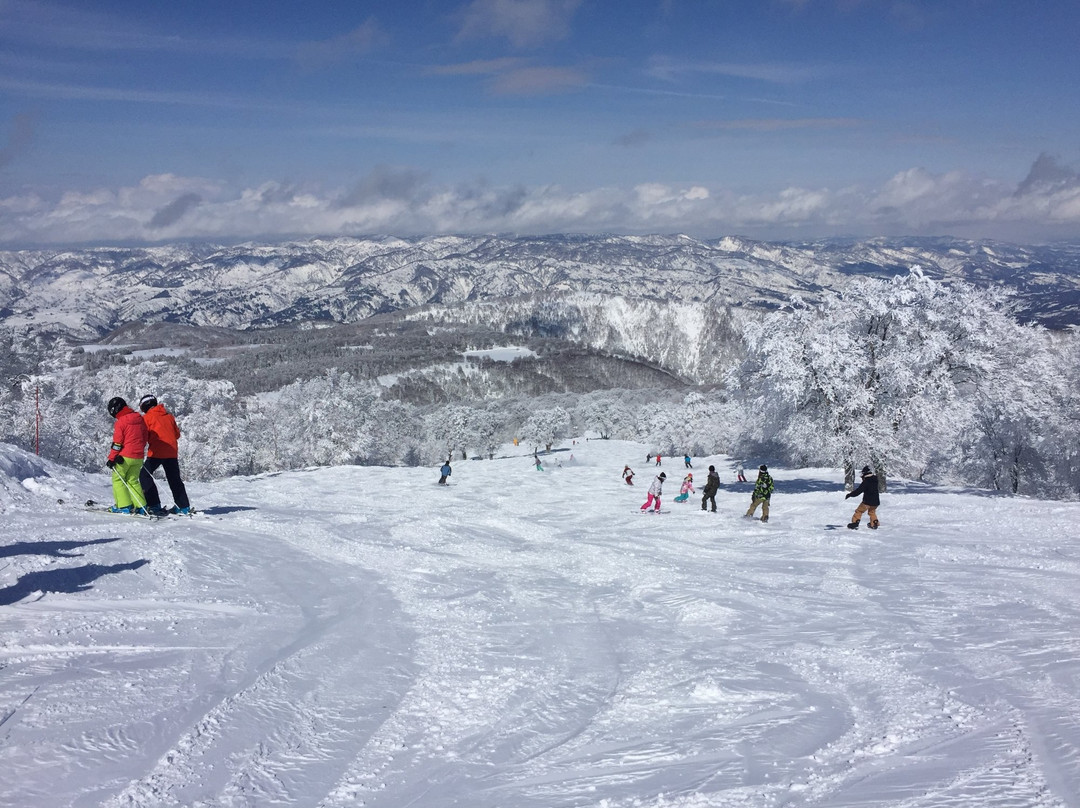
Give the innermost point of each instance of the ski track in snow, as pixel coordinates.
(359, 636)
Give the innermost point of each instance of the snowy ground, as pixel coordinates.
(363, 636)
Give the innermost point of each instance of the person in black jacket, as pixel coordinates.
(712, 485)
(871, 499)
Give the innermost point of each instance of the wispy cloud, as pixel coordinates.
(539, 81)
(639, 137)
(79, 92)
(669, 69)
(70, 28)
(478, 67)
(20, 136)
(525, 23)
(358, 42)
(778, 124)
(513, 76)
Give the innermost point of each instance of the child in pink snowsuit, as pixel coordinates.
(687, 488)
(654, 492)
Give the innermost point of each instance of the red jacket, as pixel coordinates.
(164, 434)
(129, 435)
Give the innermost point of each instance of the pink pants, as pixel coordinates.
(650, 501)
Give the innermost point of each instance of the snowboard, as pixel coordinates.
(662, 510)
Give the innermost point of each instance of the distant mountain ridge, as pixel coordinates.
(88, 293)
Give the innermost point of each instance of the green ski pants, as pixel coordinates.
(125, 483)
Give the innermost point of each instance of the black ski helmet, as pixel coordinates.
(763, 467)
(866, 472)
(663, 476)
(712, 468)
(115, 405)
(147, 402)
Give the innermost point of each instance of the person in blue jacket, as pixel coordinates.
(445, 472)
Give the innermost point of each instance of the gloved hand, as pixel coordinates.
(849, 496)
(110, 463)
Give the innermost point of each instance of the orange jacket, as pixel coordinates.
(164, 433)
(129, 435)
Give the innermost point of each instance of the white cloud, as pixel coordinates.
(325, 53)
(538, 81)
(526, 23)
(404, 201)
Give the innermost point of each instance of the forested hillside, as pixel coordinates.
(926, 379)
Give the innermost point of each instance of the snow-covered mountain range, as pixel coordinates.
(87, 293)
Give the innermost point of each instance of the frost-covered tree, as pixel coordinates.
(885, 371)
(545, 426)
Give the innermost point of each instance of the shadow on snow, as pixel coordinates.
(55, 549)
(69, 580)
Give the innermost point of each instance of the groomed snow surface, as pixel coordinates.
(362, 636)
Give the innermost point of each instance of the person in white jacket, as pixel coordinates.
(655, 490)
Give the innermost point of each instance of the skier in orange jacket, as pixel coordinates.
(164, 438)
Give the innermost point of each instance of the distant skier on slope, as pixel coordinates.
(445, 472)
(628, 475)
(126, 457)
(655, 490)
(871, 499)
(762, 492)
(712, 485)
(686, 460)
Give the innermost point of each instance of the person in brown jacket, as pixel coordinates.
(164, 438)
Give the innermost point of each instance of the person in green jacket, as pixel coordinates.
(762, 491)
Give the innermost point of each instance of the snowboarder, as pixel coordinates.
(686, 460)
(686, 489)
(445, 472)
(655, 490)
(712, 485)
(628, 475)
(163, 437)
(126, 457)
(648, 457)
(762, 491)
(658, 460)
(871, 499)
(740, 475)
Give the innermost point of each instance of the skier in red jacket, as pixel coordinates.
(163, 435)
(126, 457)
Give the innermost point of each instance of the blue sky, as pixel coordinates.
(771, 118)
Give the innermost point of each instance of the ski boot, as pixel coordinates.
(853, 525)
(874, 525)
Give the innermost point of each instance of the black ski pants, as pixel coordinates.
(172, 474)
(709, 497)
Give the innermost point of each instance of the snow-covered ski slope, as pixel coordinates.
(363, 636)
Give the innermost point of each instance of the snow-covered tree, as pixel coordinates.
(883, 372)
(544, 427)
